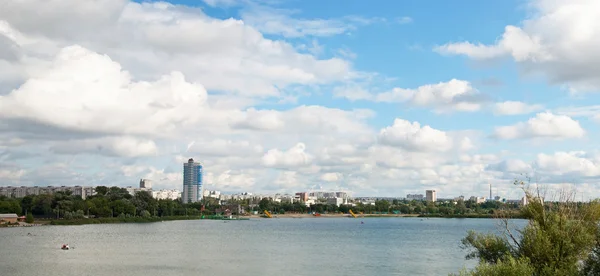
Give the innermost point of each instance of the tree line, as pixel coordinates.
(117, 202)
(107, 202)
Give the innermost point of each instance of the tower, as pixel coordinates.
(192, 182)
(491, 191)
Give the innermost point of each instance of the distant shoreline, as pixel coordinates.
(114, 220)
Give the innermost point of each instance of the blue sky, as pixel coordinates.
(378, 98)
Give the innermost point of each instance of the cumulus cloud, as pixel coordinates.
(543, 125)
(291, 158)
(331, 177)
(455, 94)
(86, 91)
(570, 163)
(558, 40)
(154, 38)
(515, 108)
(511, 165)
(105, 94)
(126, 146)
(411, 136)
(452, 95)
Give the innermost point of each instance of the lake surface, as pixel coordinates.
(281, 246)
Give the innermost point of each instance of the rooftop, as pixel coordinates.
(8, 216)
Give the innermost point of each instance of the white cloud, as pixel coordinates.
(454, 94)
(444, 96)
(220, 147)
(413, 137)
(331, 177)
(558, 39)
(11, 175)
(287, 23)
(574, 163)
(291, 158)
(153, 39)
(515, 108)
(511, 165)
(85, 91)
(543, 125)
(138, 88)
(111, 146)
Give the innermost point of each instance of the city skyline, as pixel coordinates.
(288, 95)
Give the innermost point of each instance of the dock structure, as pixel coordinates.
(352, 213)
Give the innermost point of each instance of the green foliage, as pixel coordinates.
(29, 218)
(487, 247)
(145, 214)
(508, 266)
(559, 236)
(591, 266)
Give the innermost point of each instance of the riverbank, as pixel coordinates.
(334, 215)
(84, 221)
(338, 215)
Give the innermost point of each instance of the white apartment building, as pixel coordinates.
(22, 191)
(166, 194)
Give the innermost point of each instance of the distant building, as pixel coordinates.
(431, 195)
(337, 201)
(166, 194)
(213, 194)
(524, 201)
(8, 218)
(22, 191)
(415, 197)
(477, 200)
(132, 191)
(192, 182)
(146, 184)
(302, 196)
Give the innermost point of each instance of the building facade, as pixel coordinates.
(146, 184)
(192, 182)
(415, 197)
(166, 194)
(22, 191)
(431, 195)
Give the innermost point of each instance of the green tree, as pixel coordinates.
(461, 208)
(264, 204)
(557, 238)
(101, 190)
(29, 218)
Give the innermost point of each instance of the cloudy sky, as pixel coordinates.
(380, 99)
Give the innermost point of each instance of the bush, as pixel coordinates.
(145, 214)
(509, 266)
(29, 218)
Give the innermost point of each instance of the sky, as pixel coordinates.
(380, 98)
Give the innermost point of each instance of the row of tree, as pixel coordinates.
(461, 207)
(108, 202)
(116, 201)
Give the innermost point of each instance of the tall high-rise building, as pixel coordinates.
(192, 182)
(431, 195)
(145, 184)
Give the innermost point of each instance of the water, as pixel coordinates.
(310, 246)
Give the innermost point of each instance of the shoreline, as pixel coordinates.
(115, 220)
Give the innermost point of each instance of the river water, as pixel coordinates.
(281, 246)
